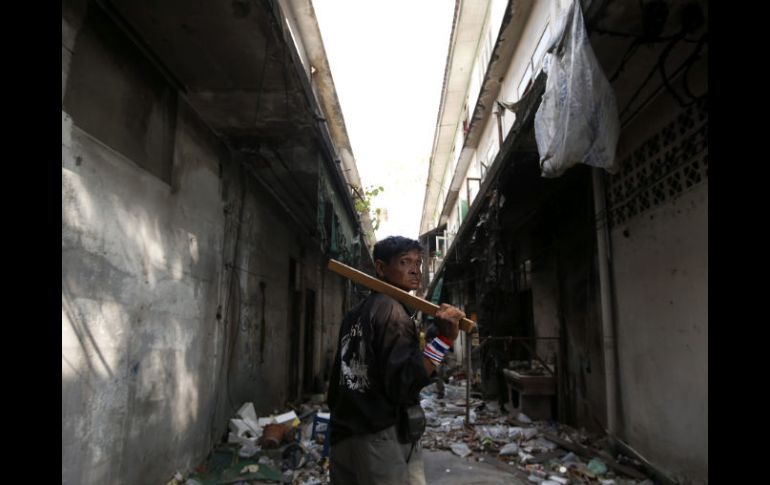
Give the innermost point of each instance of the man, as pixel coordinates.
(377, 376)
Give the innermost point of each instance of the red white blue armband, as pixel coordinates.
(435, 350)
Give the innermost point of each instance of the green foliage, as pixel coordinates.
(363, 203)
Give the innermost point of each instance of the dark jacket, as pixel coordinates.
(378, 368)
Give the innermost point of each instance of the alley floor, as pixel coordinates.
(446, 468)
(493, 448)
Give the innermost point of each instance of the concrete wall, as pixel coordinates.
(141, 268)
(161, 304)
(661, 283)
(330, 319)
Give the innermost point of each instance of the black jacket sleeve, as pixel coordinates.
(398, 354)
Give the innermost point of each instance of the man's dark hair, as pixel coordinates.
(392, 246)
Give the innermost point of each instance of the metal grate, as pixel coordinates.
(664, 166)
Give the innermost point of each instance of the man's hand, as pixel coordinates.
(448, 321)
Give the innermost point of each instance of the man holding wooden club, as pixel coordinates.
(378, 372)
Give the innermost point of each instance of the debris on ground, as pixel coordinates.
(460, 449)
(547, 452)
(284, 447)
(290, 447)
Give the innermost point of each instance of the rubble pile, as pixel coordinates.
(285, 447)
(547, 452)
(289, 447)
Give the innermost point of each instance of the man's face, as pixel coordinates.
(403, 270)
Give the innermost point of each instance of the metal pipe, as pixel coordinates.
(467, 379)
(605, 285)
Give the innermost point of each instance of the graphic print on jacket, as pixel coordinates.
(354, 372)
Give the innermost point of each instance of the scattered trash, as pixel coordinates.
(288, 476)
(536, 472)
(293, 456)
(492, 406)
(570, 458)
(597, 467)
(431, 419)
(262, 422)
(288, 447)
(224, 466)
(177, 480)
(248, 450)
(273, 436)
(510, 449)
(428, 404)
(525, 456)
(458, 422)
(461, 449)
(523, 418)
(496, 433)
(558, 479)
(288, 418)
(246, 411)
(250, 469)
(541, 444)
(242, 428)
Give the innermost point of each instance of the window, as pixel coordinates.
(490, 156)
(542, 45)
(120, 98)
(533, 66)
(526, 79)
(486, 49)
(472, 186)
(441, 245)
(462, 211)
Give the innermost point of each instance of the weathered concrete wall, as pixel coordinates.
(71, 20)
(140, 339)
(335, 305)
(161, 298)
(661, 282)
(266, 243)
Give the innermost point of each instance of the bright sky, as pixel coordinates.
(387, 59)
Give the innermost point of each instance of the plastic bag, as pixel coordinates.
(460, 449)
(510, 449)
(577, 121)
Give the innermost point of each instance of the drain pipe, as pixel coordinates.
(605, 285)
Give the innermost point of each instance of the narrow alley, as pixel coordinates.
(215, 167)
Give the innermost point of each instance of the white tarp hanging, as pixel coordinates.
(577, 121)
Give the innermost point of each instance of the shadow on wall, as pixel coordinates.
(137, 334)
